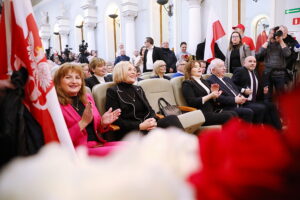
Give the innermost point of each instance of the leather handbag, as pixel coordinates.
(167, 109)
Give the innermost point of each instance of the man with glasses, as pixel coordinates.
(180, 65)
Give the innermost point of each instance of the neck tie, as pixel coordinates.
(254, 86)
(230, 87)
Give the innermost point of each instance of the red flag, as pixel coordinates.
(214, 33)
(21, 46)
(261, 39)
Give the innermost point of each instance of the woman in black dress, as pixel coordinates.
(137, 113)
(199, 94)
(236, 53)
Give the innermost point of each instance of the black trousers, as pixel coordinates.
(169, 121)
(212, 118)
(272, 116)
(259, 110)
(244, 113)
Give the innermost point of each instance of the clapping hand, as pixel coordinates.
(214, 87)
(110, 116)
(148, 124)
(87, 116)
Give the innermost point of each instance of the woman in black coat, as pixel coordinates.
(199, 94)
(137, 113)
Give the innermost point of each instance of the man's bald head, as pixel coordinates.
(250, 63)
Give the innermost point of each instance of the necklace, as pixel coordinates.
(77, 104)
(131, 97)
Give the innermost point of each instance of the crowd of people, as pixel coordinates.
(241, 83)
(231, 85)
(248, 93)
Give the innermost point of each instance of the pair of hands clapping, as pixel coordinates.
(107, 118)
(215, 91)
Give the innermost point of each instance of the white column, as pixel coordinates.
(45, 35)
(90, 35)
(90, 22)
(45, 32)
(64, 30)
(129, 12)
(194, 27)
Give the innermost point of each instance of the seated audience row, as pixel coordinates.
(219, 98)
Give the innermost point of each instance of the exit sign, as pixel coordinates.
(293, 10)
(296, 21)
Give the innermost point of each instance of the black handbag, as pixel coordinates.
(167, 109)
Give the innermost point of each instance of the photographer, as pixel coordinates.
(274, 53)
(66, 54)
(290, 60)
(83, 56)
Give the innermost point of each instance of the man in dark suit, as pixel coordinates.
(246, 79)
(231, 97)
(169, 57)
(98, 69)
(201, 48)
(151, 54)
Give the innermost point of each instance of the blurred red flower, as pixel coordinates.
(245, 161)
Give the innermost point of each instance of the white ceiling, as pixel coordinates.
(34, 2)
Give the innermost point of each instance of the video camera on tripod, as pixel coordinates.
(67, 50)
(83, 47)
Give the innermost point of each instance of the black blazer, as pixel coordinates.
(156, 55)
(92, 81)
(227, 98)
(242, 79)
(165, 77)
(117, 97)
(201, 48)
(193, 93)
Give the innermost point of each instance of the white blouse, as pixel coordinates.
(198, 80)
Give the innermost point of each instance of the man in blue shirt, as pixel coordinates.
(122, 56)
(180, 65)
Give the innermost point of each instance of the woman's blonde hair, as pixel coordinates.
(63, 98)
(96, 62)
(156, 66)
(188, 69)
(120, 71)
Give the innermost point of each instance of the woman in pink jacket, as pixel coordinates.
(79, 110)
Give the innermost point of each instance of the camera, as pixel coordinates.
(83, 47)
(277, 32)
(67, 50)
(48, 51)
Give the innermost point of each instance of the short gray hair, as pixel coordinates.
(215, 62)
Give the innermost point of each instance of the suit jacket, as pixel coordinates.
(92, 81)
(227, 98)
(72, 118)
(201, 48)
(193, 93)
(169, 58)
(121, 58)
(156, 55)
(244, 52)
(242, 79)
(117, 97)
